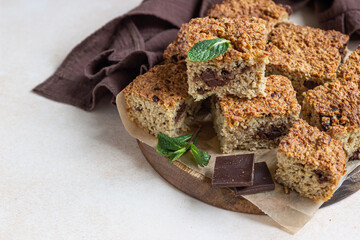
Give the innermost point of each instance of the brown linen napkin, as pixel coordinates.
(109, 59)
(341, 15)
(114, 55)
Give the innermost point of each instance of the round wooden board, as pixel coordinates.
(199, 187)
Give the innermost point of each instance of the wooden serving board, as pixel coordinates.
(199, 186)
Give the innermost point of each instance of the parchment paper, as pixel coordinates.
(289, 210)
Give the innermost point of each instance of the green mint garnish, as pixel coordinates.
(174, 147)
(202, 158)
(208, 49)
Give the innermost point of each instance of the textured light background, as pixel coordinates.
(69, 174)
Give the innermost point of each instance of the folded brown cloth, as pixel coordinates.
(109, 59)
(341, 15)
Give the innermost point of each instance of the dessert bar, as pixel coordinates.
(239, 71)
(310, 162)
(307, 56)
(265, 9)
(256, 123)
(158, 100)
(335, 108)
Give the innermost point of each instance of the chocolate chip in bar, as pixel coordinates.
(234, 171)
(263, 181)
(210, 78)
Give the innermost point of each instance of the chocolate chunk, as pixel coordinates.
(210, 78)
(155, 98)
(334, 108)
(327, 122)
(139, 109)
(157, 89)
(177, 58)
(180, 111)
(310, 84)
(201, 91)
(234, 171)
(355, 156)
(274, 132)
(262, 181)
(321, 176)
(225, 73)
(275, 94)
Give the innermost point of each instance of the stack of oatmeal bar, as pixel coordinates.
(256, 89)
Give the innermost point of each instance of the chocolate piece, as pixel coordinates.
(271, 134)
(275, 94)
(310, 84)
(234, 171)
(321, 176)
(201, 91)
(246, 68)
(155, 98)
(180, 111)
(355, 156)
(262, 181)
(210, 78)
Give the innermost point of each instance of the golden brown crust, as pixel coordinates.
(264, 9)
(351, 68)
(280, 100)
(312, 147)
(247, 38)
(337, 104)
(337, 107)
(165, 84)
(308, 52)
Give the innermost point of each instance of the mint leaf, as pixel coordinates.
(169, 143)
(162, 151)
(195, 140)
(174, 147)
(202, 158)
(208, 49)
(185, 138)
(177, 154)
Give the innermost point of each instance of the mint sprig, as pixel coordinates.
(174, 147)
(208, 49)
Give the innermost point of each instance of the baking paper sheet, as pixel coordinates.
(289, 210)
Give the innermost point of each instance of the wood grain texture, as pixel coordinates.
(199, 187)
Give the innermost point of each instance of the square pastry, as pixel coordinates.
(239, 71)
(310, 162)
(307, 56)
(271, 12)
(158, 101)
(335, 108)
(256, 123)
